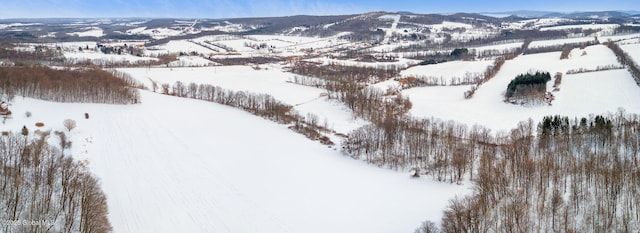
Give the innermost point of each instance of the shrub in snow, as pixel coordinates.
(25, 131)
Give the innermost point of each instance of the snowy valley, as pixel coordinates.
(376, 122)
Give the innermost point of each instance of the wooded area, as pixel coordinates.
(40, 183)
(79, 85)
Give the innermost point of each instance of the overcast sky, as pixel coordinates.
(257, 8)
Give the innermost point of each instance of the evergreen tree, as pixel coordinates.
(25, 131)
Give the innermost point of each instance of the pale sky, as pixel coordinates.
(258, 8)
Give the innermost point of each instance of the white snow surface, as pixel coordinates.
(180, 165)
(191, 61)
(499, 47)
(269, 80)
(90, 31)
(238, 78)
(449, 25)
(448, 70)
(101, 58)
(184, 46)
(633, 50)
(580, 95)
(608, 27)
(544, 43)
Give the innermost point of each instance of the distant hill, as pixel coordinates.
(571, 15)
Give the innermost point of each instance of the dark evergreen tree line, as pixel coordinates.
(522, 82)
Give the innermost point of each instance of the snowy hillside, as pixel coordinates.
(179, 165)
(388, 91)
(579, 94)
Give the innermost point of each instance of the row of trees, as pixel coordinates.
(37, 54)
(565, 48)
(491, 72)
(82, 85)
(626, 60)
(503, 36)
(422, 80)
(263, 105)
(43, 190)
(598, 68)
(339, 73)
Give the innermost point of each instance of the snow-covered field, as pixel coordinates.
(183, 46)
(498, 47)
(633, 50)
(533, 23)
(580, 95)
(607, 27)
(270, 80)
(238, 78)
(191, 61)
(448, 70)
(180, 165)
(101, 58)
(401, 63)
(449, 25)
(90, 31)
(544, 43)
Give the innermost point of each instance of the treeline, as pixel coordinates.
(263, 105)
(626, 60)
(422, 80)
(491, 72)
(80, 85)
(39, 53)
(162, 59)
(598, 68)
(338, 73)
(42, 190)
(573, 175)
(503, 36)
(565, 48)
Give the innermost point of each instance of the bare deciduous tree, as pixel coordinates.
(69, 124)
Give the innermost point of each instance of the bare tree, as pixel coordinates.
(69, 124)
(428, 227)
